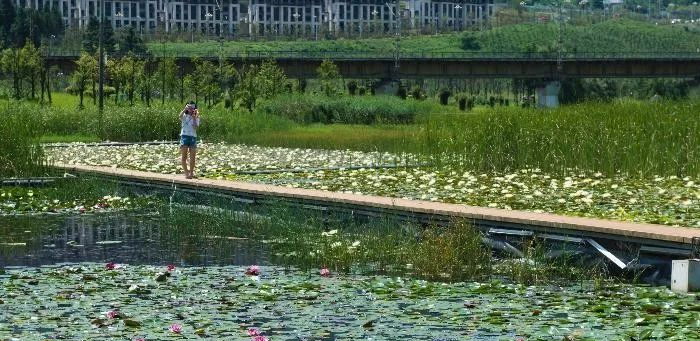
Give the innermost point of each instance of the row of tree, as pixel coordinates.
(210, 82)
(128, 41)
(28, 70)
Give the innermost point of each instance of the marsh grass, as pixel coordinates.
(346, 109)
(635, 138)
(452, 253)
(310, 239)
(638, 139)
(539, 266)
(21, 155)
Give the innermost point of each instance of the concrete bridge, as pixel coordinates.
(387, 65)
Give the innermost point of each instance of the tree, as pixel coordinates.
(147, 81)
(228, 80)
(7, 18)
(119, 74)
(204, 81)
(329, 75)
(246, 91)
(91, 36)
(166, 73)
(82, 74)
(130, 69)
(270, 80)
(20, 29)
(32, 64)
(11, 65)
(130, 42)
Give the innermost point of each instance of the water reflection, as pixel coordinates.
(120, 238)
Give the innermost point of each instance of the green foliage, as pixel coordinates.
(470, 42)
(608, 36)
(417, 92)
(444, 96)
(91, 37)
(453, 253)
(329, 75)
(86, 67)
(352, 87)
(260, 82)
(349, 110)
(620, 35)
(21, 154)
(130, 42)
(166, 77)
(19, 25)
(25, 64)
(638, 138)
(270, 80)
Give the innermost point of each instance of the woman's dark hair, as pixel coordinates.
(192, 103)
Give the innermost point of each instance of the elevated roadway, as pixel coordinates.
(425, 65)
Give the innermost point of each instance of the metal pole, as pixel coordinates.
(101, 61)
(560, 45)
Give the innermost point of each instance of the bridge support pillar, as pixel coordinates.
(548, 95)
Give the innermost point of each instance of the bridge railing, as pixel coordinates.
(409, 55)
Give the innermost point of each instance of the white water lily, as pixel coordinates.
(329, 233)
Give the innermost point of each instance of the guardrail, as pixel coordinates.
(409, 55)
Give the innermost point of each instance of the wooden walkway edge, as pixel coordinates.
(552, 222)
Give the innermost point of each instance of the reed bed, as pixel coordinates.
(639, 139)
(21, 155)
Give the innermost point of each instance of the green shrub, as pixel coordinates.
(350, 110)
(444, 96)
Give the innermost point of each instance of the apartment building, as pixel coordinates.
(276, 17)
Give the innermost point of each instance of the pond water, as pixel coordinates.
(105, 276)
(114, 237)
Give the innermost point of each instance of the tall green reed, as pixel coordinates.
(20, 154)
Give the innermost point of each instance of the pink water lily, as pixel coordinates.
(112, 314)
(261, 338)
(140, 339)
(175, 328)
(253, 270)
(110, 266)
(171, 267)
(324, 272)
(254, 332)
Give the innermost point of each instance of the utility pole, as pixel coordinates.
(397, 43)
(101, 61)
(560, 43)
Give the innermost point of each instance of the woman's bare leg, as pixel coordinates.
(183, 151)
(193, 155)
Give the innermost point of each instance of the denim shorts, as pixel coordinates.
(188, 141)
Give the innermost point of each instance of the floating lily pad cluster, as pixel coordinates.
(18, 200)
(669, 200)
(132, 302)
(217, 158)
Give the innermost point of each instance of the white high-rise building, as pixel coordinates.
(275, 17)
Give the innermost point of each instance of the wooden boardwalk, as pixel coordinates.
(542, 222)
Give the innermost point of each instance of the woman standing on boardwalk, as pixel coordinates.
(189, 121)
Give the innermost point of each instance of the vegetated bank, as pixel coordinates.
(610, 36)
(637, 138)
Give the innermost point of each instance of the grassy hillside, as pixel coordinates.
(608, 36)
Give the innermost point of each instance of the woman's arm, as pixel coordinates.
(195, 122)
